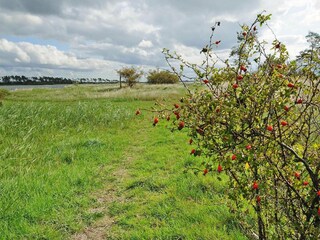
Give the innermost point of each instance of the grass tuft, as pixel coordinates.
(65, 154)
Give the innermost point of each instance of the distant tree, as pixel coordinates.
(162, 77)
(6, 79)
(311, 56)
(131, 75)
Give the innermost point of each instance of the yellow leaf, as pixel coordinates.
(247, 166)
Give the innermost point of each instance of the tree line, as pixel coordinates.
(127, 75)
(43, 80)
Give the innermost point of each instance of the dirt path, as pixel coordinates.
(101, 228)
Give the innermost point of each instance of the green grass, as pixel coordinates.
(60, 148)
(166, 203)
(100, 91)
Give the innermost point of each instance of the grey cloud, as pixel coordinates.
(111, 30)
(206, 8)
(47, 7)
(32, 6)
(189, 22)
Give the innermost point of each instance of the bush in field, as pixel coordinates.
(131, 75)
(257, 120)
(3, 94)
(162, 77)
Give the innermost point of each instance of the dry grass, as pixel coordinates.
(75, 92)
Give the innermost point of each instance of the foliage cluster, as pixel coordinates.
(257, 120)
(130, 74)
(3, 93)
(162, 77)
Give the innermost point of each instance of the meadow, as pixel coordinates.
(77, 163)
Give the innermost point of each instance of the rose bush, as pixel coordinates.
(257, 120)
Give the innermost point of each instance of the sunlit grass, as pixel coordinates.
(80, 92)
(60, 147)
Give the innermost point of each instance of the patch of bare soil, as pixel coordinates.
(101, 228)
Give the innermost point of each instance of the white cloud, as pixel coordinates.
(190, 54)
(224, 18)
(28, 54)
(145, 44)
(291, 21)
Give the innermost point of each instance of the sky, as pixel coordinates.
(94, 38)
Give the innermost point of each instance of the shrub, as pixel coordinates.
(3, 93)
(131, 75)
(162, 77)
(257, 120)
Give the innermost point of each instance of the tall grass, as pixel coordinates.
(165, 202)
(50, 152)
(59, 147)
(144, 92)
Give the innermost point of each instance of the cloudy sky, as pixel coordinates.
(94, 38)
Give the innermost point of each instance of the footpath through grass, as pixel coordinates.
(59, 154)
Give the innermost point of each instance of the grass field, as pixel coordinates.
(76, 163)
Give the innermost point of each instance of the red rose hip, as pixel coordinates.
(243, 68)
(239, 77)
(258, 199)
(270, 128)
(181, 125)
(155, 121)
